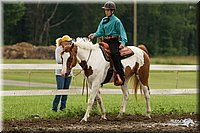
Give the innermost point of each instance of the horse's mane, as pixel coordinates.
(85, 43)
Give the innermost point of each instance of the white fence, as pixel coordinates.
(103, 91)
(54, 66)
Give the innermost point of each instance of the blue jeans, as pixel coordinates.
(62, 83)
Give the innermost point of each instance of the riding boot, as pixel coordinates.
(119, 69)
(115, 56)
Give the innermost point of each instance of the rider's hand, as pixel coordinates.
(121, 46)
(91, 36)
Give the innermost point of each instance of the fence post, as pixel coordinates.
(176, 79)
(29, 79)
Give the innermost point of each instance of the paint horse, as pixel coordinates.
(91, 59)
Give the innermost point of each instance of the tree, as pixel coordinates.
(43, 19)
(12, 15)
(166, 29)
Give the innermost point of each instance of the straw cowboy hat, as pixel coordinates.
(66, 38)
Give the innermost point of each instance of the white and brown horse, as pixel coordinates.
(91, 59)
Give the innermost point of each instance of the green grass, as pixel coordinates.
(175, 60)
(170, 60)
(28, 61)
(41, 76)
(26, 107)
(8, 87)
(167, 80)
(158, 79)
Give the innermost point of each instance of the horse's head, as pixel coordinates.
(69, 59)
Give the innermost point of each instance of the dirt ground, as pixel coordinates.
(129, 123)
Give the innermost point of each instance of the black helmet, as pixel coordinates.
(109, 5)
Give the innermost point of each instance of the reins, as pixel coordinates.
(84, 65)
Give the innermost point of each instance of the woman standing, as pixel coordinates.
(62, 82)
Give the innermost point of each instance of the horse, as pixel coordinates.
(90, 57)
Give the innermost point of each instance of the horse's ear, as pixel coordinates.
(72, 46)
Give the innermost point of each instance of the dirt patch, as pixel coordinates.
(28, 51)
(129, 123)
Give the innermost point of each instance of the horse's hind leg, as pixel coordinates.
(125, 99)
(143, 78)
(100, 101)
(147, 98)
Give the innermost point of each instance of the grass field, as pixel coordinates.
(28, 107)
(170, 60)
(175, 60)
(158, 79)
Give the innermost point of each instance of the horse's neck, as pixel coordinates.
(83, 54)
(93, 57)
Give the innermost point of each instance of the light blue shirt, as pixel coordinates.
(113, 27)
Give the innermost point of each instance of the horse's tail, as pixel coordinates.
(142, 46)
(135, 84)
(135, 77)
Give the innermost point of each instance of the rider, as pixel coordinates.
(112, 29)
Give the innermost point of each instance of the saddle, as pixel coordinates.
(124, 53)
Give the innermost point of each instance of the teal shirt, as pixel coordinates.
(113, 27)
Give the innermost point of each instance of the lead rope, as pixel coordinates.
(75, 84)
(85, 81)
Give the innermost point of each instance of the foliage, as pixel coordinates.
(13, 14)
(166, 29)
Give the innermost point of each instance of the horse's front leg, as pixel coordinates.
(93, 93)
(100, 101)
(125, 99)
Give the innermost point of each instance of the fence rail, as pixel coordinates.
(103, 91)
(55, 66)
(78, 91)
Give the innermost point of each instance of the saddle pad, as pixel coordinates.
(137, 57)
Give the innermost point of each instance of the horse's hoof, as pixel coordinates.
(149, 116)
(103, 118)
(84, 120)
(120, 116)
